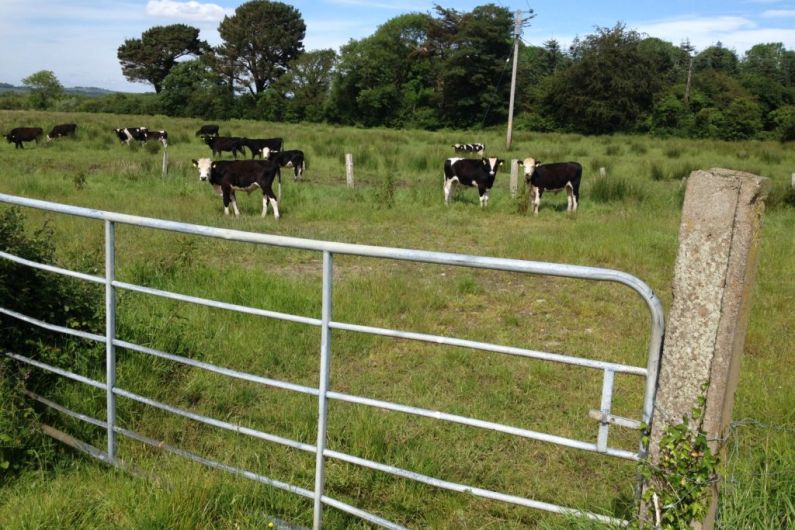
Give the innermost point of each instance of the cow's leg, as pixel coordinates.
(264, 205)
(536, 199)
(275, 205)
(226, 191)
(448, 189)
(570, 205)
(574, 200)
(484, 197)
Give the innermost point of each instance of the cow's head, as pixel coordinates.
(530, 165)
(205, 166)
(10, 137)
(491, 165)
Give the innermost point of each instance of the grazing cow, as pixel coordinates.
(128, 134)
(257, 145)
(160, 136)
(474, 172)
(218, 144)
(65, 129)
(23, 134)
(553, 177)
(469, 148)
(292, 158)
(207, 130)
(226, 176)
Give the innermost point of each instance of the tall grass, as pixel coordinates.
(627, 220)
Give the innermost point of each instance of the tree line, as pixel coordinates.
(447, 68)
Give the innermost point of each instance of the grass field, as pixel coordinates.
(628, 220)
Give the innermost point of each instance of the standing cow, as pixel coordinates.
(23, 134)
(64, 129)
(227, 176)
(553, 177)
(127, 134)
(291, 158)
(478, 173)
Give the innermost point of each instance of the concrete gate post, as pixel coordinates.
(713, 279)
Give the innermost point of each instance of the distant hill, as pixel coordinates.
(76, 91)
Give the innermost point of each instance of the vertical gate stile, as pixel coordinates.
(110, 335)
(607, 399)
(325, 364)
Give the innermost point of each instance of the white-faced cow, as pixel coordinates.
(469, 148)
(64, 129)
(219, 144)
(227, 176)
(127, 134)
(292, 158)
(553, 177)
(479, 173)
(207, 130)
(160, 136)
(256, 145)
(23, 134)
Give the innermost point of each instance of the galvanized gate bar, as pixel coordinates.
(327, 324)
(110, 334)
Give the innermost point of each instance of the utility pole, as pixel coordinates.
(689, 48)
(516, 36)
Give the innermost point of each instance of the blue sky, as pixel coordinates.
(78, 39)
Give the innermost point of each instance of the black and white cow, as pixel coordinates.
(64, 129)
(207, 130)
(553, 177)
(256, 145)
(160, 136)
(219, 144)
(23, 134)
(469, 148)
(476, 172)
(292, 158)
(227, 176)
(127, 134)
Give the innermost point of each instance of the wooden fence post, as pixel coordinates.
(602, 172)
(514, 177)
(713, 280)
(349, 169)
(165, 161)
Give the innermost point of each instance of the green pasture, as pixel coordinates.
(627, 220)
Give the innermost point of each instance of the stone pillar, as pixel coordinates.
(713, 279)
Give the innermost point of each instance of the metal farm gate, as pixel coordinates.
(326, 323)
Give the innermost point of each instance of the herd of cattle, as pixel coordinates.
(247, 175)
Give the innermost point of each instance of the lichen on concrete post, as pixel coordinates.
(713, 278)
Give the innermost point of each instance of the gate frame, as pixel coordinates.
(327, 324)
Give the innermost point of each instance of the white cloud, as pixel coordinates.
(779, 13)
(193, 11)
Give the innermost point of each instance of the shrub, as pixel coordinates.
(54, 299)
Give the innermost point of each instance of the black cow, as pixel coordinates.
(474, 172)
(128, 134)
(160, 136)
(23, 134)
(292, 158)
(218, 144)
(64, 129)
(469, 148)
(553, 177)
(207, 130)
(226, 176)
(257, 145)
